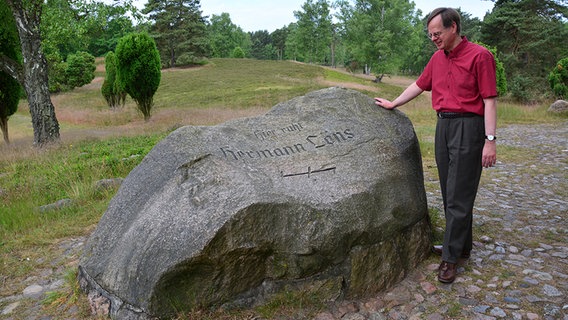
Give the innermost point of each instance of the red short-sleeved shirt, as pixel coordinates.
(460, 80)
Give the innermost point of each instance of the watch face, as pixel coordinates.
(490, 138)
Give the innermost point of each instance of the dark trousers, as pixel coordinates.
(459, 147)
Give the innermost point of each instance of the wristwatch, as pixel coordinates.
(490, 137)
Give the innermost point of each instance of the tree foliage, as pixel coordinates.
(10, 89)
(378, 33)
(470, 26)
(139, 69)
(224, 36)
(71, 29)
(262, 45)
(279, 41)
(62, 30)
(77, 71)
(178, 28)
(95, 27)
(293, 47)
(313, 32)
(107, 26)
(56, 73)
(238, 53)
(558, 79)
(80, 69)
(528, 35)
(111, 89)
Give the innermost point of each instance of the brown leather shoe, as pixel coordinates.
(437, 249)
(447, 272)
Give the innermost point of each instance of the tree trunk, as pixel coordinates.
(172, 52)
(333, 54)
(379, 79)
(4, 127)
(44, 122)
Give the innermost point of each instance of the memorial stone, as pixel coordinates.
(324, 193)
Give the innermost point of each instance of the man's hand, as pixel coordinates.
(384, 103)
(408, 94)
(489, 154)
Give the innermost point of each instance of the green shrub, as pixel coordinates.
(107, 87)
(501, 77)
(80, 69)
(238, 53)
(558, 79)
(139, 69)
(56, 73)
(188, 59)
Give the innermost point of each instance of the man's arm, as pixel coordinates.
(408, 94)
(490, 149)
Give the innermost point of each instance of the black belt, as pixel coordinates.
(453, 115)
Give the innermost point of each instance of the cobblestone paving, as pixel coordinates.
(518, 268)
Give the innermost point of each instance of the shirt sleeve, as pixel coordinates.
(487, 78)
(424, 81)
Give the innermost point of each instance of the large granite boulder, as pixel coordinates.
(323, 193)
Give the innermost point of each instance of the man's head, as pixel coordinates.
(444, 28)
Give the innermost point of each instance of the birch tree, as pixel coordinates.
(32, 74)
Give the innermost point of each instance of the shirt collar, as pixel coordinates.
(458, 48)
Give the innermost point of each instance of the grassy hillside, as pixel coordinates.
(98, 143)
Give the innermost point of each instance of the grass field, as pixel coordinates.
(99, 143)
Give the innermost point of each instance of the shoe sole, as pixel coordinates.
(446, 281)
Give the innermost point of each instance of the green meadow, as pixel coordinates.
(98, 143)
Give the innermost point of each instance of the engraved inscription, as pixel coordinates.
(262, 154)
(264, 134)
(274, 133)
(311, 142)
(331, 138)
(291, 128)
(308, 173)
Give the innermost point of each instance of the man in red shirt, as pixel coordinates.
(461, 76)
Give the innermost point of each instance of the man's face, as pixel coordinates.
(443, 38)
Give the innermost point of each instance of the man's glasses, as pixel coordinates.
(435, 34)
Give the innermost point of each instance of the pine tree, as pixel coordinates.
(178, 29)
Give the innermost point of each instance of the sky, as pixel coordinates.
(255, 15)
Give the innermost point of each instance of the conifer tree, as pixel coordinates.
(139, 71)
(112, 90)
(10, 89)
(178, 29)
